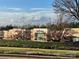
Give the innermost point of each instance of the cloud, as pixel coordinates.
(41, 9)
(22, 18)
(15, 9)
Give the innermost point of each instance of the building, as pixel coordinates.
(16, 34)
(39, 34)
(75, 34)
(7, 35)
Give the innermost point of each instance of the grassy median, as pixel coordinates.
(14, 50)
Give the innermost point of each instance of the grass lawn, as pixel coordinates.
(11, 50)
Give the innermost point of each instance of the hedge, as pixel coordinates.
(33, 44)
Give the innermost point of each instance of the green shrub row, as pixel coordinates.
(33, 44)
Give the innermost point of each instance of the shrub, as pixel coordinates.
(33, 44)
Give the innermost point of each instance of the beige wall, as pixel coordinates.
(75, 32)
(13, 33)
(35, 30)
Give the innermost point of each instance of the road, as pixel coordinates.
(12, 57)
(3, 57)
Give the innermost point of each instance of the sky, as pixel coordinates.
(25, 4)
(21, 12)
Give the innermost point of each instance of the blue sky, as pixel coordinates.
(25, 4)
(16, 12)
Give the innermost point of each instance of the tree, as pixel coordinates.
(68, 6)
(7, 27)
(74, 24)
(58, 31)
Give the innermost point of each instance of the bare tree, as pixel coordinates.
(67, 6)
(59, 31)
(61, 27)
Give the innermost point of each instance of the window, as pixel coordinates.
(40, 35)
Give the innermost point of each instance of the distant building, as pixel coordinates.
(75, 34)
(16, 34)
(39, 34)
(7, 35)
